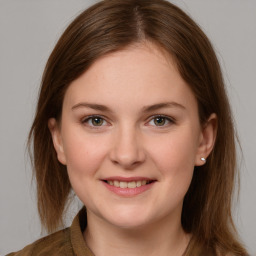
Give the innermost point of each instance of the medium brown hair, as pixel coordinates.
(110, 26)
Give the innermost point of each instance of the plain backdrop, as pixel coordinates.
(28, 31)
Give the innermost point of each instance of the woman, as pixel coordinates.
(133, 116)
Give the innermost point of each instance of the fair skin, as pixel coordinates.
(129, 120)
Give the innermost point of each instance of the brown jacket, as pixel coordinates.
(67, 242)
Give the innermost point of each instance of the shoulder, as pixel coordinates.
(55, 244)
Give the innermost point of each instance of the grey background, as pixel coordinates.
(28, 31)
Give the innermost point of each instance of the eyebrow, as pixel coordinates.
(144, 109)
(162, 105)
(92, 106)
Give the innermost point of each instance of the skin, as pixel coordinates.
(129, 142)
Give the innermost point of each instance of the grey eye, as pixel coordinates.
(159, 121)
(97, 121)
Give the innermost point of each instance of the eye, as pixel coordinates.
(94, 121)
(160, 121)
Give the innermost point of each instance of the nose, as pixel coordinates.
(127, 150)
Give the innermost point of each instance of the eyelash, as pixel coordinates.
(166, 119)
(90, 118)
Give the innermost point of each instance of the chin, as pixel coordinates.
(129, 219)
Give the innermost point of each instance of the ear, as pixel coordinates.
(57, 140)
(206, 140)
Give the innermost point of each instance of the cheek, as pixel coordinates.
(175, 155)
(84, 154)
(84, 157)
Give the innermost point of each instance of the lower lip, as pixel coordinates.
(129, 192)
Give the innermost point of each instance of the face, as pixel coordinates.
(130, 137)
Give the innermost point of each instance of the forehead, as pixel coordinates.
(142, 72)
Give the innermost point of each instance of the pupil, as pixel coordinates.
(159, 121)
(97, 121)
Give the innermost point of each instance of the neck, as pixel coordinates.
(161, 238)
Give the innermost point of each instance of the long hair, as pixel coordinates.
(110, 26)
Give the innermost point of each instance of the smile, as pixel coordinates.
(128, 187)
(130, 184)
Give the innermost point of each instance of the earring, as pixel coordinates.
(203, 159)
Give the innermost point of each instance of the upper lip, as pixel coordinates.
(127, 179)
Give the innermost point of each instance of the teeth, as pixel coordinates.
(124, 184)
(116, 183)
(132, 184)
(138, 184)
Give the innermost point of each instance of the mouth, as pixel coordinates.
(128, 187)
(128, 184)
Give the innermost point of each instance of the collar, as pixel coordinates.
(76, 232)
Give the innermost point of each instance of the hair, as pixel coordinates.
(110, 26)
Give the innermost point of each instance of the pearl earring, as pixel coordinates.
(203, 159)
